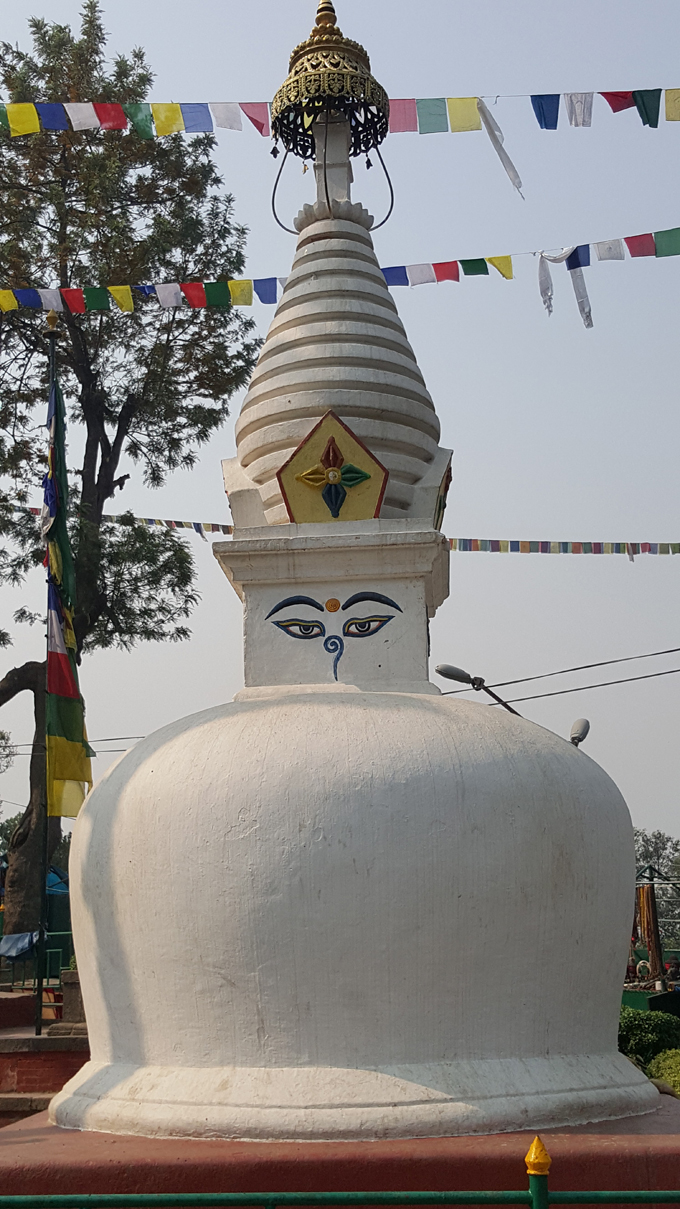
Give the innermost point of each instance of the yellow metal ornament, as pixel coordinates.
(537, 1158)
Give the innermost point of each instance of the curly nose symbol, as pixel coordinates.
(335, 646)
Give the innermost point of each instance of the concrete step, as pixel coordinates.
(14, 1106)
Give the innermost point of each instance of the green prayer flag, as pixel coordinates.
(668, 242)
(4, 120)
(648, 101)
(97, 298)
(664, 548)
(675, 547)
(217, 293)
(432, 116)
(141, 118)
(475, 268)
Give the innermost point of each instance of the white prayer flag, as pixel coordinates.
(579, 106)
(545, 282)
(420, 274)
(227, 115)
(82, 115)
(579, 284)
(51, 300)
(496, 135)
(610, 249)
(282, 282)
(169, 294)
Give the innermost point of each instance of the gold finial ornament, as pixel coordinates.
(52, 319)
(325, 13)
(537, 1158)
(329, 73)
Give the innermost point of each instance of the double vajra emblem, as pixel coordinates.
(334, 476)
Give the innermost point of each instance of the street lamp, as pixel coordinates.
(579, 731)
(449, 672)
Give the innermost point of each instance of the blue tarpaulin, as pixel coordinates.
(18, 946)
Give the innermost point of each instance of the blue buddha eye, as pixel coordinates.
(302, 629)
(364, 627)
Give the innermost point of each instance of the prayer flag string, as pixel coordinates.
(461, 545)
(417, 115)
(201, 295)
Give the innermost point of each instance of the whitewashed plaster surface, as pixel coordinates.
(336, 914)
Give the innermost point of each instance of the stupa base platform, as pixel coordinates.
(633, 1153)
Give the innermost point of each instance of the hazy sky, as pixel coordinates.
(559, 433)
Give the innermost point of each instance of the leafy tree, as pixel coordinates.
(662, 853)
(146, 389)
(7, 752)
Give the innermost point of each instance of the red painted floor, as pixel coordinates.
(641, 1152)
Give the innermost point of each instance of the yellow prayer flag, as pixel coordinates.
(504, 547)
(503, 264)
(554, 547)
(241, 293)
(168, 118)
(673, 104)
(463, 114)
(7, 301)
(122, 294)
(23, 119)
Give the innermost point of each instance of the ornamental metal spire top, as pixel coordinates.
(329, 73)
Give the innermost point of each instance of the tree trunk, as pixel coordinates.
(23, 883)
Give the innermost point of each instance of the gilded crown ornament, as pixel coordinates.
(329, 73)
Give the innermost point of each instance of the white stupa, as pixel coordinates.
(343, 906)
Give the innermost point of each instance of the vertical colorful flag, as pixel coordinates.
(69, 771)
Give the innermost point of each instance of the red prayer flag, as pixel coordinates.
(60, 679)
(403, 116)
(447, 270)
(641, 245)
(618, 100)
(194, 292)
(111, 117)
(75, 301)
(258, 113)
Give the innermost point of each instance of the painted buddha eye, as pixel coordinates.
(302, 629)
(364, 627)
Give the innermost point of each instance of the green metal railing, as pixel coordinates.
(538, 1196)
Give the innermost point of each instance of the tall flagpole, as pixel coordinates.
(42, 931)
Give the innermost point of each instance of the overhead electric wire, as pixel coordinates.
(584, 688)
(583, 667)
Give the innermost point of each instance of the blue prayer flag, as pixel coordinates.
(265, 288)
(580, 257)
(197, 118)
(396, 275)
(52, 116)
(28, 298)
(546, 107)
(514, 547)
(146, 290)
